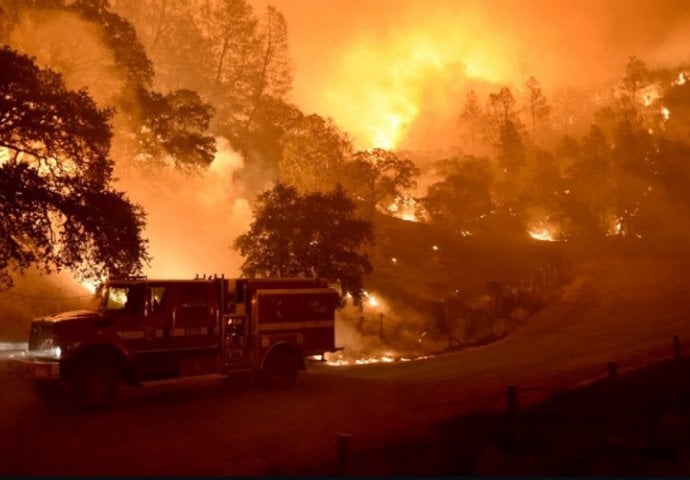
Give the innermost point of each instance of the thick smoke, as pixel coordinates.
(408, 63)
(191, 220)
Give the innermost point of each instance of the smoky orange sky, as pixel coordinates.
(381, 68)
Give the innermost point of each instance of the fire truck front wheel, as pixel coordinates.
(96, 382)
(280, 368)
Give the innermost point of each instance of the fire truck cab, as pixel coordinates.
(141, 331)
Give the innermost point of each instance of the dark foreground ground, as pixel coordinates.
(418, 417)
(635, 424)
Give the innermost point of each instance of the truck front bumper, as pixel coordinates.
(36, 369)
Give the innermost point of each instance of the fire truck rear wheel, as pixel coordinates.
(280, 370)
(96, 383)
(47, 390)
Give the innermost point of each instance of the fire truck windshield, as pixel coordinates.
(97, 299)
(114, 297)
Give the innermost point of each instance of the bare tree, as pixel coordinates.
(472, 118)
(537, 106)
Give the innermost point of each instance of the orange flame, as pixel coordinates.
(379, 87)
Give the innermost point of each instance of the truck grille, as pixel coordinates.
(38, 334)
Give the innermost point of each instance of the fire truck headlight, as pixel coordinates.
(49, 349)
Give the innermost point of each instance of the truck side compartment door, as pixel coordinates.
(195, 336)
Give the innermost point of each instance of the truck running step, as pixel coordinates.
(179, 380)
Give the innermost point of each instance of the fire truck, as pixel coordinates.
(140, 331)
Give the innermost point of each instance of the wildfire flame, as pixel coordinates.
(650, 95)
(543, 235)
(380, 86)
(90, 285)
(545, 231)
(616, 228)
(403, 207)
(341, 359)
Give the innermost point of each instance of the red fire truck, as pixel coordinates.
(141, 331)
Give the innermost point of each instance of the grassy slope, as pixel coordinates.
(465, 263)
(626, 301)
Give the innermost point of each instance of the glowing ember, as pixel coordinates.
(435, 248)
(681, 79)
(665, 113)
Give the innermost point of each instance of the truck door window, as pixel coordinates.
(117, 298)
(158, 299)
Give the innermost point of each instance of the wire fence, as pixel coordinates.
(516, 397)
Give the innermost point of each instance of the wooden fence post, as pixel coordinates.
(613, 373)
(512, 414)
(342, 448)
(676, 348)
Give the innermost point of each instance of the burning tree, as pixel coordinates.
(58, 208)
(311, 235)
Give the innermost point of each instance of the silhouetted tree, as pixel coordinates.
(537, 106)
(57, 206)
(588, 182)
(472, 119)
(511, 154)
(171, 33)
(505, 130)
(500, 109)
(636, 77)
(312, 235)
(129, 74)
(273, 77)
(167, 127)
(459, 201)
(377, 175)
(174, 127)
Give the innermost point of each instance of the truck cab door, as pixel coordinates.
(144, 331)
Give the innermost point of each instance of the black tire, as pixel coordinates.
(280, 369)
(96, 383)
